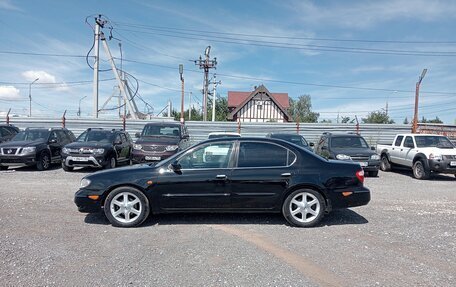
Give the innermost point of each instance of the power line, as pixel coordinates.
(42, 54)
(161, 28)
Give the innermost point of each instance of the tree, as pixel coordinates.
(377, 117)
(406, 122)
(301, 110)
(434, 121)
(345, 120)
(221, 110)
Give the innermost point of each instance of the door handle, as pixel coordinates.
(221, 177)
(286, 174)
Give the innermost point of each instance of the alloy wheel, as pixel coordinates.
(304, 207)
(125, 207)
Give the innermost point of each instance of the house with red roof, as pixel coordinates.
(258, 106)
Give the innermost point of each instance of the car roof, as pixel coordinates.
(164, 124)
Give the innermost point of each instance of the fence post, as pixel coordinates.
(7, 117)
(124, 123)
(239, 126)
(63, 119)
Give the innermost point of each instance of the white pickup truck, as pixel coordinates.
(425, 154)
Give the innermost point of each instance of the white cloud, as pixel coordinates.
(9, 93)
(43, 76)
(7, 5)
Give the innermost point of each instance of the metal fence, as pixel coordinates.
(199, 130)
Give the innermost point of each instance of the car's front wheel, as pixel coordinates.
(385, 164)
(420, 170)
(126, 207)
(66, 167)
(111, 162)
(44, 161)
(304, 208)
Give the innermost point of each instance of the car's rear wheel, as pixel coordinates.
(126, 207)
(66, 167)
(385, 164)
(44, 161)
(420, 170)
(304, 208)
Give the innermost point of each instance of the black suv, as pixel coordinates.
(158, 141)
(293, 138)
(7, 132)
(351, 147)
(35, 146)
(98, 148)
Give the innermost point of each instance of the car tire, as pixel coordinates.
(373, 173)
(421, 170)
(304, 208)
(126, 207)
(111, 162)
(66, 167)
(44, 161)
(385, 164)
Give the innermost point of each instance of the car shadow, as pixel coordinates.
(434, 176)
(336, 217)
(32, 168)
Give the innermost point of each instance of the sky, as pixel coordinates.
(351, 57)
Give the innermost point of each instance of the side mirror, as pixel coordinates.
(137, 135)
(311, 144)
(53, 141)
(176, 167)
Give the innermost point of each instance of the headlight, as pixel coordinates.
(84, 183)
(137, 146)
(435, 156)
(171, 147)
(343, 157)
(98, 151)
(375, 157)
(30, 149)
(65, 150)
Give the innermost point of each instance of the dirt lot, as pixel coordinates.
(406, 236)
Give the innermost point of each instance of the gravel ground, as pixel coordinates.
(406, 236)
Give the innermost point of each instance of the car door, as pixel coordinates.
(396, 148)
(261, 176)
(55, 146)
(118, 147)
(125, 147)
(201, 181)
(407, 152)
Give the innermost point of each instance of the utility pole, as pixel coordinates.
(181, 72)
(206, 64)
(214, 87)
(30, 96)
(99, 23)
(190, 106)
(417, 94)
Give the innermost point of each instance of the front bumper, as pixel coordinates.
(141, 156)
(84, 161)
(86, 204)
(18, 160)
(443, 166)
(360, 196)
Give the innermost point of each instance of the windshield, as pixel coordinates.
(154, 130)
(96, 136)
(433, 141)
(348, 142)
(32, 135)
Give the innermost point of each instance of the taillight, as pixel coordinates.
(360, 175)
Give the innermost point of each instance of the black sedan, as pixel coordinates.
(227, 175)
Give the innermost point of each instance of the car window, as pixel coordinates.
(408, 142)
(123, 137)
(257, 154)
(398, 141)
(153, 130)
(215, 155)
(62, 136)
(433, 141)
(3, 132)
(118, 139)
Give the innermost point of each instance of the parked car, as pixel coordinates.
(424, 154)
(38, 147)
(239, 178)
(7, 132)
(99, 148)
(293, 138)
(158, 141)
(351, 147)
(216, 135)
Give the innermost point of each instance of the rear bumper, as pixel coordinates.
(359, 196)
